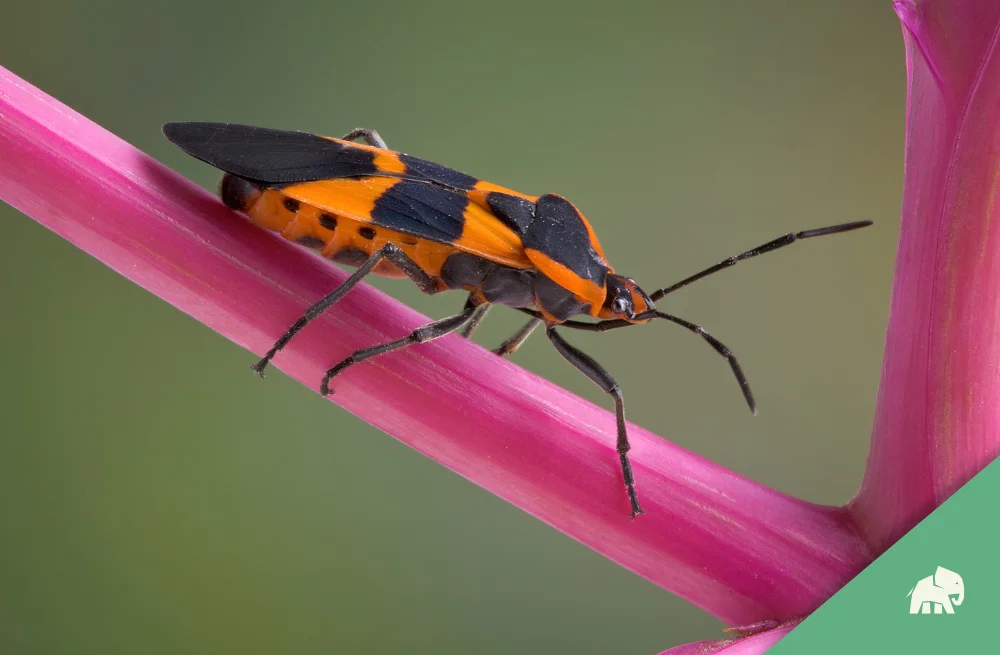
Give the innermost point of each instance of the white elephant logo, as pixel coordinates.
(934, 593)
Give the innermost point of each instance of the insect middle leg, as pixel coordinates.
(586, 365)
(422, 334)
(510, 346)
(477, 317)
(388, 252)
(371, 137)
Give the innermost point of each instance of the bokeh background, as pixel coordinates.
(155, 497)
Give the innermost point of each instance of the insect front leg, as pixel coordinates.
(423, 334)
(388, 252)
(586, 365)
(371, 137)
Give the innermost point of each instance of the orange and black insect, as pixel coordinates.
(391, 214)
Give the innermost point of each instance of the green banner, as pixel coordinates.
(912, 600)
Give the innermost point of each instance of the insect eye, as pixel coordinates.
(619, 306)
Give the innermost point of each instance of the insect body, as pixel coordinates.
(391, 214)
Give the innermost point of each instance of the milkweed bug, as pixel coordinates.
(391, 214)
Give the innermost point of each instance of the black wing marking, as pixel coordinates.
(559, 232)
(423, 210)
(423, 170)
(515, 212)
(280, 157)
(273, 157)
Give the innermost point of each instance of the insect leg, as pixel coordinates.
(510, 346)
(721, 348)
(599, 326)
(422, 334)
(477, 317)
(389, 252)
(780, 242)
(370, 137)
(586, 365)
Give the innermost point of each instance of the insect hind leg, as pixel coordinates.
(371, 137)
(422, 334)
(388, 252)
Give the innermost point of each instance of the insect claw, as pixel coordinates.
(258, 368)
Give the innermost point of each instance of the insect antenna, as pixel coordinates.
(780, 242)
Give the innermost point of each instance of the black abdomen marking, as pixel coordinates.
(351, 257)
(499, 284)
(464, 271)
(310, 242)
(237, 193)
(510, 286)
(556, 300)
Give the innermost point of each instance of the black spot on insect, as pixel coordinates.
(367, 233)
(350, 257)
(408, 242)
(310, 242)
(291, 204)
(327, 221)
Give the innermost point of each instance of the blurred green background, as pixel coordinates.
(155, 497)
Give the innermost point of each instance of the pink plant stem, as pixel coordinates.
(751, 645)
(736, 548)
(937, 420)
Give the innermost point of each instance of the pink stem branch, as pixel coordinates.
(937, 419)
(736, 548)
